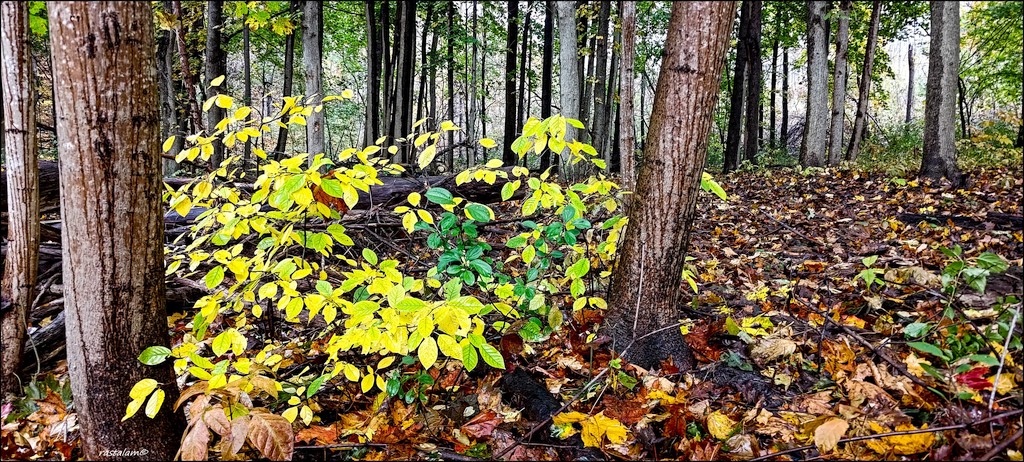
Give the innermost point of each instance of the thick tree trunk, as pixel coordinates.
(20, 147)
(772, 134)
(812, 148)
(568, 77)
(312, 65)
(910, 84)
(289, 79)
(187, 76)
(784, 124)
(507, 155)
(860, 120)
(112, 216)
(547, 64)
(835, 141)
(373, 54)
(940, 100)
(626, 131)
(643, 301)
(736, 101)
(601, 102)
(216, 66)
(752, 138)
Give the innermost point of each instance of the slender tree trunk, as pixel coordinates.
(289, 79)
(589, 95)
(835, 142)
(752, 139)
(812, 148)
(247, 82)
(170, 124)
(421, 95)
(451, 84)
(112, 217)
(373, 55)
(216, 66)
(608, 140)
(965, 125)
(601, 103)
(626, 130)
(772, 134)
(312, 64)
(404, 83)
(568, 77)
(643, 300)
(186, 72)
(784, 125)
(483, 89)
(547, 64)
(390, 55)
(910, 84)
(739, 83)
(20, 147)
(523, 73)
(474, 109)
(508, 156)
(939, 158)
(860, 120)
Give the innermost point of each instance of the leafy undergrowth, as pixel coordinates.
(831, 306)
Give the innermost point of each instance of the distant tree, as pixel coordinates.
(547, 65)
(287, 81)
(601, 102)
(864, 84)
(910, 84)
(20, 147)
(752, 124)
(645, 287)
(739, 83)
(568, 75)
(216, 66)
(373, 71)
(112, 215)
(188, 78)
(628, 133)
(313, 70)
(835, 141)
(507, 155)
(812, 149)
(940, 100)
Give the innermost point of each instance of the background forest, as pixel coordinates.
(528, 230)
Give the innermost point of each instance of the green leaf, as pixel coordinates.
(214, 277)
(479, 212)
(439, 196)
(332, 187)
(516, 242)
(992, 262)
(222, 343)
(916, 329)
(370, 256)
(154, 355)
(930, 349)
(492, 356)
(315, 385)
(469, 357)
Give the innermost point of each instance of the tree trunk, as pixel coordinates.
(216, 66)
(940, 99)
(404, 82)
(644, 291)
(247, 83)
(910, 84)
(736, 102)
(289, 79)
(812, 148)
(547, 65)
(626, 130)
(965, 124)
(474, 109)
(421, 95)
(835, 142)
(186, 72)
(312, 64)
(568, 77)
(601, 103)
(389, 56)
(507, 155)
(111, 208)
(373, 54)
(450, 158)
(20, 147)
(168, 100)
(860, 120)
(752, 139)
(772, 134)
(521, 94)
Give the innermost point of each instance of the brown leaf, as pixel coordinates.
(271, 434)
(239, 429)
(482, 425)
(196, 444)
(318, 434)
(828, 434)
(628, 412)
(215, 418)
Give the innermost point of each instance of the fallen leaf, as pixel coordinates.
(720, 425)
(828, 434)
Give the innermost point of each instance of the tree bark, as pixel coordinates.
(247, 83)
(835, 142)
(910, 84)
(389, 60)
(450, 158)
(644, 290)
(20, 147)
(784, 124)
(169, 122)
(736, 101)
(547, 66)
(113, 256)
(626, 130)
(421, 95)
(216, 66)
(752, 139)
(939, 158)
(404, 82)
(568, 77)
(812, 148)
(474, 109)
(289, 79)
(186, 72)
(507, 155)
(860, 120)
(373, 54)
(521, 94)
(601, 103)
(312, 65)
(772, 134)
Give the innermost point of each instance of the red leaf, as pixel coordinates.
(975, 378)
(482, 425)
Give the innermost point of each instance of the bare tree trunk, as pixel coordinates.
(373, 54)
(772, 134)
(546, 75)
(521, 94)
(474, 109)
(835, 143)
(965, 118)
(312, 64)
(568, 77)
(940, 100)
(860, 120)
(421, 95)
(644, 291)
(289, 79)
(112, 214)
(752, 139)
(784, 125)
(389, 61)
(247, 82)
(507, 155)
(450, 157)
(812, 148)
(626, 130)
(910, 84)
(186, 72)
(404, 82)
(599, 128)
(20, 147)
(736, 101)
(216, 66)
(170, 124)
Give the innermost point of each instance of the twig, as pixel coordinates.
(795, 231)
(1001, 446)
(899, 433)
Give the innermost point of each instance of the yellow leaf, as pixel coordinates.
(367, 383)
(427, 352)
(169, 143)
(425, 216)
(828, 434)
(487, 143)
(409, 222)
(291, 413)
(217, 81)
(493, 163)
(347, 94)
(414, 199)
(385, 362)
(224, 101)
(133, 408)
(427, 156)
(569, 417)
(720, 425)
(154, 403)
(142, 389)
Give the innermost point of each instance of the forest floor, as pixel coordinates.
(822, 320)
